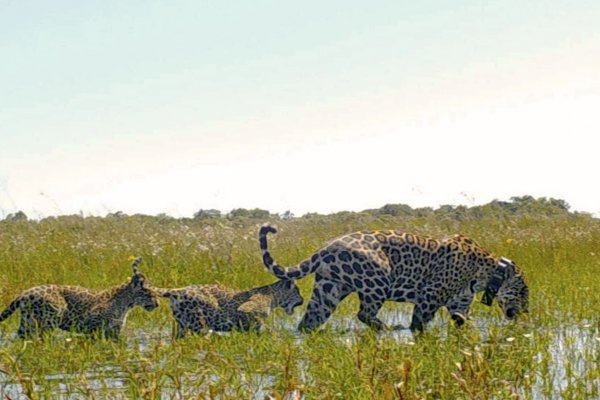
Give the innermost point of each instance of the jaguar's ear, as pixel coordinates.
(497, 277)
(507, 266)
(511, 271)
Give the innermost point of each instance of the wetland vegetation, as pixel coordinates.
(554, 352)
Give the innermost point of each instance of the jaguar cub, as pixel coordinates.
(198, 308)
(74, 308)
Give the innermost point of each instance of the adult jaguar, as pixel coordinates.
(74, 308)
(198, 308)
(398, 266)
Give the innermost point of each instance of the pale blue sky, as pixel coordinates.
(173, 106)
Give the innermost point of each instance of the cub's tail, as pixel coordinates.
(296, 272)
(12, 307)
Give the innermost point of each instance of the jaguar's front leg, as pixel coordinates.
(458, 308)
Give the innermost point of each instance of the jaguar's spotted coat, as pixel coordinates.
(198, 308)
(74, 308)
(394, 265)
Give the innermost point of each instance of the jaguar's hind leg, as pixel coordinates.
(27, 325)
(30, 326)
(325, 297)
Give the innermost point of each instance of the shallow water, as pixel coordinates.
(569, 348)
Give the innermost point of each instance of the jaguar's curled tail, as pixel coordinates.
(291, 273)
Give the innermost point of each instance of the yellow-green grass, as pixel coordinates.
(553, 353)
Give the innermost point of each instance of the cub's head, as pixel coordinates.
(286, 295)
(143, 294)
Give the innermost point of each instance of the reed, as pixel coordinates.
(553, 353)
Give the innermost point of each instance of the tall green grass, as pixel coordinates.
(553, 353)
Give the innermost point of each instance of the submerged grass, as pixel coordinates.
(553, 353)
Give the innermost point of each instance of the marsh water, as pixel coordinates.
(570, 349)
